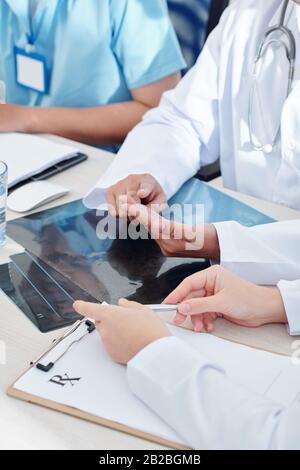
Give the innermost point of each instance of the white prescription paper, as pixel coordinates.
(27, 155)
(103, 390)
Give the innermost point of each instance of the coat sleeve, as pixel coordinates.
(266, 254)
(196, 398)
(290, 292)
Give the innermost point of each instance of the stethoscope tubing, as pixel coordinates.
(291, 57)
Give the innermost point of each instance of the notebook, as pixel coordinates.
(29, 155)
(77, 377)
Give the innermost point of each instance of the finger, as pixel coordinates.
(129, 199)
(132, 197)
(198, 324)
(185, 232)
(202, 305)
(159, 203)
(196, 294)
(130, 304)
(192, 283)
(125, 203)
(179, 319)
(96, 312)
(140, 213)
(209, 326)
(208, 321)
(157, 226)
(111, 203)
(122, 202)
(146, 188)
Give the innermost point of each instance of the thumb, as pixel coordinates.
(202, 305)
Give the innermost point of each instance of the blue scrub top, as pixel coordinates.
(96, 51)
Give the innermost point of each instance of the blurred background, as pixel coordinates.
(193, 21)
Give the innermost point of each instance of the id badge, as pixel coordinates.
(31, 71)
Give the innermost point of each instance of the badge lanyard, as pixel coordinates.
(32, 71)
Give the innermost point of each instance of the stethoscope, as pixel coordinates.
(290, 50)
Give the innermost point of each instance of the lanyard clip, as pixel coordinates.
(30, 47)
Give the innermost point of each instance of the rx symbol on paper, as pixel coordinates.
(63, 380)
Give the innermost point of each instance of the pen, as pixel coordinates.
(158, 307)
(162, 307)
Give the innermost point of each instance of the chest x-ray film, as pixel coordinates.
(45, 297)
(67, 239)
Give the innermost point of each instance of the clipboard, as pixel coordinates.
(15, 392)
(270, 375)
(92, 419)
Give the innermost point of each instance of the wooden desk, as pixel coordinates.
(25, 426)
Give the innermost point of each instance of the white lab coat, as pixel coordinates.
(194, 396)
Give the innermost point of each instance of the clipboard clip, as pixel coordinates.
(47, 367)
(90, 328)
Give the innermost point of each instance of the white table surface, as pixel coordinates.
(25, 426)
